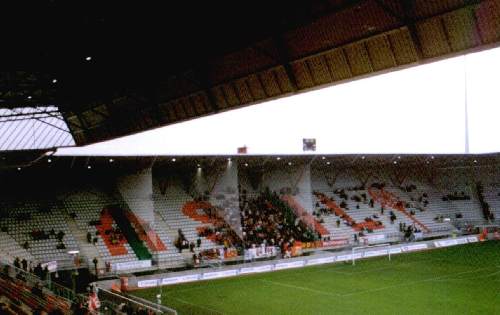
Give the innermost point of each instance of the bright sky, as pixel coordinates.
(416, 110)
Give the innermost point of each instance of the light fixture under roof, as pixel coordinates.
(49, 161)
(29, 97)
(88, 58)
(18, 168)
(246, 164)
(89, 167)
(278, 158)
(328, 163)
(395, 162)
(111, 160)
(323, 157)
(475, 161)
(289, 163)
(54, 80)
(174, 159)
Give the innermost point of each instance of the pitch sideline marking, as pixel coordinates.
(361, 272)
(473, 278)
(298, 272)
(411, 283)
(333, 270)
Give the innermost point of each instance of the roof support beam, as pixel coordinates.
(281, 58)
(284, 59)
(407, 19)
(84, 128)
(207, 86)
(95, 111)
(45, 122)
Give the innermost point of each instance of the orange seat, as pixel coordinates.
(107, 224)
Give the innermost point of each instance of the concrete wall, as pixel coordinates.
(224, 194)
(137, 191)
(294, 180)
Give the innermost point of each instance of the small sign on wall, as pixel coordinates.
(309, 144)
(242, 150)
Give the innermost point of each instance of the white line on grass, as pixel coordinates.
(364, 271)
(411, 283)
(196, 305)
(471, 278)
(299, 288)
(212, 285)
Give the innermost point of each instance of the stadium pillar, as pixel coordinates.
(294, 179)
(224, 193)
(137, 191)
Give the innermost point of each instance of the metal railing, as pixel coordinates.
(112, 303)
(20, 283)
(32, 279)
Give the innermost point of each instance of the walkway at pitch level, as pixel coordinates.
(316, 258)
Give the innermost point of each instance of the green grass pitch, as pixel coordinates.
(456, 280)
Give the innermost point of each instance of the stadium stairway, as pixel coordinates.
(305, 216)
(128, 231)
(435, 207)
(87, 250)
(10, 249)
(492, 197)
(356, 225)
(172, 258)
(195, 210)
(191, 208)
(150, 237)
(171, 233)
(169, 206)
(389, 199)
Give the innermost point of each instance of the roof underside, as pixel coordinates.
(148, 71)
(33, 129)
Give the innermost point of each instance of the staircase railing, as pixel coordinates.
(65, 294)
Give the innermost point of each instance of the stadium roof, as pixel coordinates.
(421, 162)
(29, 128)
(114, 69)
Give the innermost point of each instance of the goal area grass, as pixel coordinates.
(462, 279)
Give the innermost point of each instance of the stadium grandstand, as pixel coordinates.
(301, 157)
